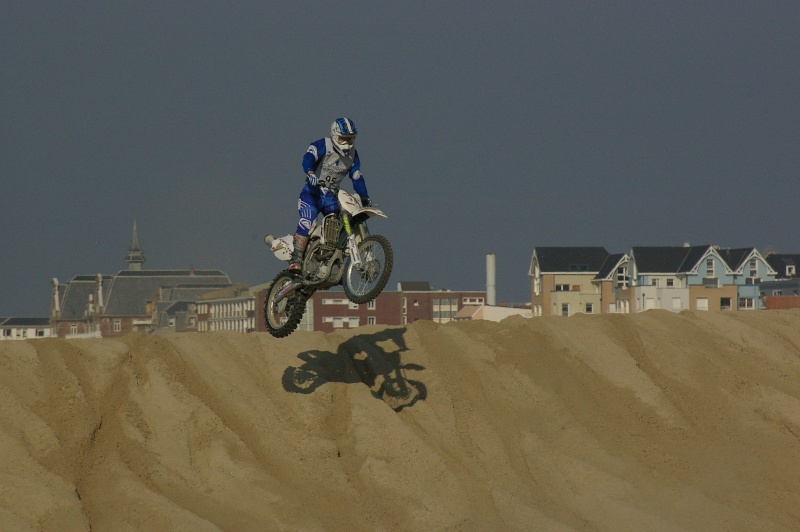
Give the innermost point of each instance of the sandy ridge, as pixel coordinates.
(654, 421)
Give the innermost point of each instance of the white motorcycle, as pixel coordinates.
(340, 250)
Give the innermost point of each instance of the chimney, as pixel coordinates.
(100, 303)
(491, 296)
(56, 305)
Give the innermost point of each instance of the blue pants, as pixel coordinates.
(313, 201)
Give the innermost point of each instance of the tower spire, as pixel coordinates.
(135, 256)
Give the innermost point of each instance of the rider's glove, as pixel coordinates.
(365, 202)
(312, 179)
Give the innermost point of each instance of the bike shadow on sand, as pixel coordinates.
(373, 359)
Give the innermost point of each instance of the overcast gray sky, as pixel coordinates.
(483, 129)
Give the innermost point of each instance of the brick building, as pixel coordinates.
(133, 300)
(327, 310)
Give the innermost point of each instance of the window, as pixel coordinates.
(371, 320)
(117, 325)
(753, 267)
(73, 329)
(791, 271)
(622, 277)
(589, 308)
(343, 301)
(562, 288)
(702, 303)
(676, 303)
(746, 302)
(565, 309)
(405, 306)
(338, 323)
(655, 282)
(352, 306)
(670, 283)
(724, 303)
(371, 305)
(352, 322)
(709, 267)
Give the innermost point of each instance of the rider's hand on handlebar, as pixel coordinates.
(365, 202)
(312, 179)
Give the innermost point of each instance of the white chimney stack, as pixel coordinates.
(491, 296)
(100, 303)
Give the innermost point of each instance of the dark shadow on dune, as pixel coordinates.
(372, 359)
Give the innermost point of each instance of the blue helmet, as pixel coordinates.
(343, 135)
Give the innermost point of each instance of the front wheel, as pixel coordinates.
(282, 312)
(363, 282)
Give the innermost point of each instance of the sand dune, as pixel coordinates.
(656, 421)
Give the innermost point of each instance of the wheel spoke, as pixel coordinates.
(282, 316)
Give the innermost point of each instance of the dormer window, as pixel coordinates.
(622, 277)
(753, 268)
(791, 270)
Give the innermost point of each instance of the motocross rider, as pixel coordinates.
(325, 164)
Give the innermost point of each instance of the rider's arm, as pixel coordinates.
(313, 154)
(359, 185)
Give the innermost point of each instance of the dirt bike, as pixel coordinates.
(340, 251)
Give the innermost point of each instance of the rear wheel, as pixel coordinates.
(363, 282)
(282, 313)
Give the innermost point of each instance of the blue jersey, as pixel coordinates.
(331, 166)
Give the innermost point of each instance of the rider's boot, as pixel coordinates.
(296, 262)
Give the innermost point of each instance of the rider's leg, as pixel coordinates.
(300, 242)
(308, 210)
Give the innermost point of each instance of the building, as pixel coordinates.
(25, 328)
(783, 291)
(698, 277)
(750, 269)
(562, 280)
(413, 301)
(672, 278)
(613, 281)
(133, 300)
(780, 294)
(233, 308)
(784, 265)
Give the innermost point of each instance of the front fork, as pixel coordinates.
(352, 245)
(352, 241)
